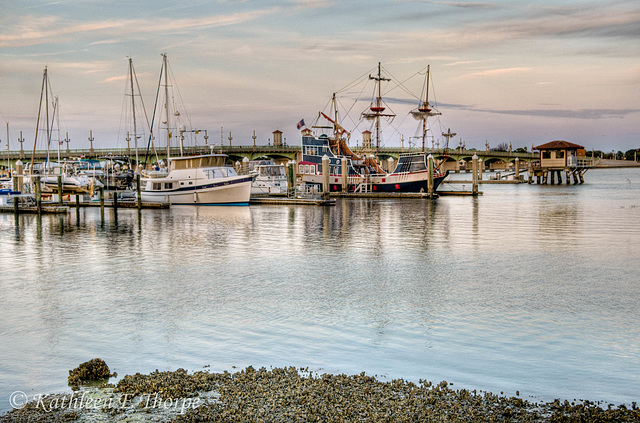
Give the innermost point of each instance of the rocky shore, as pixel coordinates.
(297, 395)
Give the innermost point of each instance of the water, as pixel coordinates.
(527, 288)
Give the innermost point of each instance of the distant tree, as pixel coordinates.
(521, 150)
(503, 146)
(632, 154)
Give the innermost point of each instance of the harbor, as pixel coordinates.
(392, 256)
(440, 290)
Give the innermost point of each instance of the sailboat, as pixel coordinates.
(196, 180)
(413, 173)
(50, 172)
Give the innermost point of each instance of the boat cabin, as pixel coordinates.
(195, 162)
(559, 154)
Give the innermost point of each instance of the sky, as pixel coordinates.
(516, 72)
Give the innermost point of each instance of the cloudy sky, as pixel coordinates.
(519, 72)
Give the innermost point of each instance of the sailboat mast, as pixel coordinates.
(166, 105)
(133, 110)
(46, 96)
(378, 108)
(35, 141)
(378, 105)
(426, 107)
(335, 122)
(53, 118)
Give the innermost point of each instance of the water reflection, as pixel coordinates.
(517, 289)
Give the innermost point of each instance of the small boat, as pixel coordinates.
(199, 180)
(70, 183)
(270, 178)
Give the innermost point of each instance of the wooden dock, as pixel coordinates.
(46, 208)
(291, 201)
(382, 195)
(121, 204)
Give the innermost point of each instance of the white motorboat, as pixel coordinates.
(199, 180)
(270, 178)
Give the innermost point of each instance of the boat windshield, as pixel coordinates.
(411, 164)
(274, 170)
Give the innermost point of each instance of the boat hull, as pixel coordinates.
(414, 182)
(261, 187)
(225, 193)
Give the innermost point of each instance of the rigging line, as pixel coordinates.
(146, 117)
(123, 113)
(181, 101)
(356, 81)
(399, 84)
(146, 156)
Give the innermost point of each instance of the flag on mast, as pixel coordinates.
(301, 123)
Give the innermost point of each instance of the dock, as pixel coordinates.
(46, 208)
(291, 201)
(382, 195)
(121, 204)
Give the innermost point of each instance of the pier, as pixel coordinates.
(556, 158)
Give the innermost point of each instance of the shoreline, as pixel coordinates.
(289, 393)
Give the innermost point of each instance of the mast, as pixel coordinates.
(55, 109)
(335, 122)
(133, 110)
(378, 108)
(35, 141)
(46, 96)
(166, 105)
(425, 109)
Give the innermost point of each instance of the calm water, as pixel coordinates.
(529, 288)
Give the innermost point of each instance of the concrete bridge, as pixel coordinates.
(456, 160)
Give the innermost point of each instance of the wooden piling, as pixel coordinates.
(60, 203)
(38, 195)
(115, 201)
(102, 203)
(77, 201)
(474, 170)
(345, 175)
(138, 191)
(325, 174)
(430, 175)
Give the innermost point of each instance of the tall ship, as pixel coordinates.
(414, 172)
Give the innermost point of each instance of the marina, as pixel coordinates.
(475, 291)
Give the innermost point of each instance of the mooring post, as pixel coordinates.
(77, 201)
(60, 190)
(430, 175)
(474, 170)
(38, 195)
(345, 175)
(19, 177)
(480, 169)
(294, 175)
(102, 203)
(517, 164)
(115, 201)
(325, 175)
(16, 206)
(138, 191)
